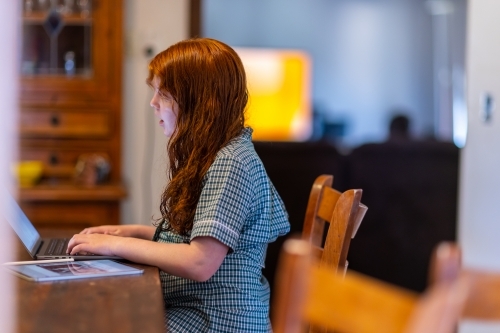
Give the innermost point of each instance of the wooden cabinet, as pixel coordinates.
(70, 105)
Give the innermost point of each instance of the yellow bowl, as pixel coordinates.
(28, 173)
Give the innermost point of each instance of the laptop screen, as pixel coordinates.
(19, 221)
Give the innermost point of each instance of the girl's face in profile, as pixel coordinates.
(166, 109)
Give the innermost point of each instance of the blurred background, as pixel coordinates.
(382, 108)
(370, 59)
(369, 91)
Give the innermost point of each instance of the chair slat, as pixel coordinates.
(317, 252)
(379, 307)
(313, 225)
(308, 293)
(328, 201)
(483, 302)
(339, 235)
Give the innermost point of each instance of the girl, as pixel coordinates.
(219, 210)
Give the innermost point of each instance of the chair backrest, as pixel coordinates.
(310, 294)
(343, 211)
(483, 301)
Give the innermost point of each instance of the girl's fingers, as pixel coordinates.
(73, 243)
(87, 231)
(75, 249)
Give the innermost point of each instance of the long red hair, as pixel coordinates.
(207, 80)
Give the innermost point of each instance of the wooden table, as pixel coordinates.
(110, 304)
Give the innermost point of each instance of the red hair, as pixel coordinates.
(207, 80)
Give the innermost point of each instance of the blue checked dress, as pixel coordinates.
(240, 207)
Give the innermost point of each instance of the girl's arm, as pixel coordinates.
(197, 261)
(132, 230)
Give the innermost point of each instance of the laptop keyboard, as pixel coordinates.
(57, 246)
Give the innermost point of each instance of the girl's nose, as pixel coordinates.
(154, 101)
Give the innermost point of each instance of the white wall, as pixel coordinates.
(368, 56)
(479, 201)
(156, 24)
(9, 67)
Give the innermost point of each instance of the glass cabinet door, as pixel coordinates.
(57, 37)
(69, 51)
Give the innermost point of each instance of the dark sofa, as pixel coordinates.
(410, 188)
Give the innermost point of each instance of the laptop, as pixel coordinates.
(38, 247)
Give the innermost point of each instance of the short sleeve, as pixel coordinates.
(225, 201)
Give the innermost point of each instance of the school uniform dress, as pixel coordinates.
(239, 207)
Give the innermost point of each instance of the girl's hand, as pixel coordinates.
(129, 230)
(115, 230)
(93, 243)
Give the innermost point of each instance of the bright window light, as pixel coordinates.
(279, 86)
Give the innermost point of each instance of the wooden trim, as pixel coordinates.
(72, 192)
(195, 25)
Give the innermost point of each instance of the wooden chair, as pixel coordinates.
(307, 293)
(343, 211)
(483, 301)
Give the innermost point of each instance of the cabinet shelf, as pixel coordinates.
(74, 19)
(68, 191)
